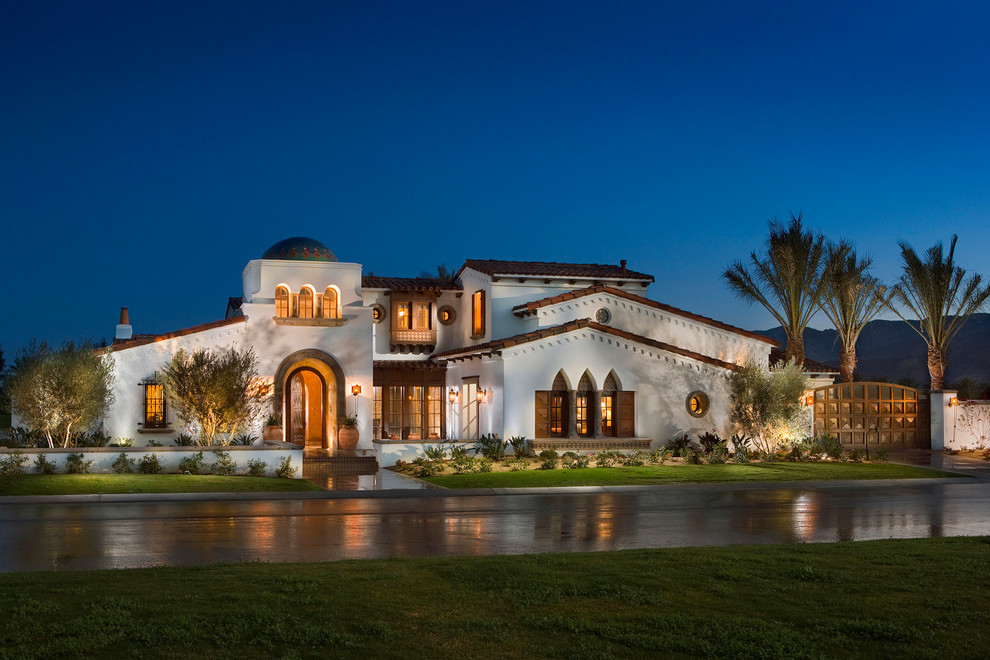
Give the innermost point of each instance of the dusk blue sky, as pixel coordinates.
(148, 150)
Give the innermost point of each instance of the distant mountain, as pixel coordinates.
(893, 350)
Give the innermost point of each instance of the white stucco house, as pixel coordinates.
(569, 355)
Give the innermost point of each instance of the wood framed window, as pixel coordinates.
(434, 412)
(305, 305)
(423, 316)
(478, 314)
(154, 406)
(608, 413)
(330, 309)
(414, 408)
(403, 316)
(376, 414)
(395, 412)
(281, 302)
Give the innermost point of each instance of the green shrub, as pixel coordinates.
(256, 467)
(582, 461)
(689, 456)
(435, 452)
(718, 455)
(285, 469)
(122, 464)
(518, 463)
(462, 463)
(741, 441)
(830, 445)
(490, 446)
(25, 437)
(244, 439)
(634, 459)
(12, 463)
(880, 455)
(153, 443)
(709, 441)
(741, 456)
(679, 443)
(484, 464)
(94, 439)
(74, 464)
(857, 455)
(423, 467)
(548, 459)
(224, 466)
(191, 464)
(519, 446)
(43, 466)
(149, 464)
(184, 440)
(567, 459)
(660, 455)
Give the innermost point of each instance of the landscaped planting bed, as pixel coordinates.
(925, 598)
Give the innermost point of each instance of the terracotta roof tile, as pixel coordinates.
(810, 366)
(407, 364)
(409, 283)
(531, 307)
(141, 340)
(554, 269)
(494, 346)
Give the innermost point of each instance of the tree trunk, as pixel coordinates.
(847, 362)
(794, 350)
(936, 366)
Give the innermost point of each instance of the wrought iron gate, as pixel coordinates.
(885, 414)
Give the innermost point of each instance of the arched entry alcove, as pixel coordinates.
(309, 394)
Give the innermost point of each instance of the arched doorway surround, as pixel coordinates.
(315, 371)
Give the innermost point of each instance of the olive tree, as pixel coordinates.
(60, 392)
(214, 392)
(766, 403)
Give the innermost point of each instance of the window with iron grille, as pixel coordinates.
(154, 406)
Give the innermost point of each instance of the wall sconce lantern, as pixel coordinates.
(482, 396)
(809, 400)
(954, 401)
(355, 389)
(453, 395)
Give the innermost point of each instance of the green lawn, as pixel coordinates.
(670, 474)
(926, 598)
(85, 484)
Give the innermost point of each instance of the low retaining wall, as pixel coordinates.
(389, 452)
(970, 424)
(103, 457)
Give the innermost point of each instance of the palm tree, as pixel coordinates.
(851, 299)
(938, 293)
(788, 282)
(443, 274)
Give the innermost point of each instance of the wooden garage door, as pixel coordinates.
(887, 415)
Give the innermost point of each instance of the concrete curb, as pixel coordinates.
(476, 492)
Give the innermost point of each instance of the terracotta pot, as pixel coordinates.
(272, 434)
(347, 437)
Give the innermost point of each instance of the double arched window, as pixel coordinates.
(329, 306)
(281, 302)
(563, 412)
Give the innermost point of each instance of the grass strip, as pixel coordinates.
(921, 598)
(88, 484)
(684, 474)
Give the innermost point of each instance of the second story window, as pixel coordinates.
(403, 316)
(281, 302)
(330, 310)
(306, 303)
(478, 314)
(422, 316)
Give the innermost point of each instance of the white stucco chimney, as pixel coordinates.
(124, 330)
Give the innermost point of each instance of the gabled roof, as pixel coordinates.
(571, 326)
(409, 283)
(809, 367)
(495, 267)
(531, 308)
(141, 340)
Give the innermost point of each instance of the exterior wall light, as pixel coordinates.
(482, 396)
(355, 389)
(453, 395)
(954, 401)
(809, 400)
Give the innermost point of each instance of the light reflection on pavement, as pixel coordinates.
(74, 536)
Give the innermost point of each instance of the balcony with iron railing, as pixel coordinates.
(414, 337)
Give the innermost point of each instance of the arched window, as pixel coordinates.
(305, 303)
(558, 406)
(583, 409)
(281, 302)
(609, 394)
(330, 310)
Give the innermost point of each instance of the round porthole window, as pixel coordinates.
(377, 313)
(698, 403)
(603, 316)
(446, 314)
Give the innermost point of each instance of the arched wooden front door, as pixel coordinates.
(305, 405)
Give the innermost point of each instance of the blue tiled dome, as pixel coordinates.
(299, 248)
